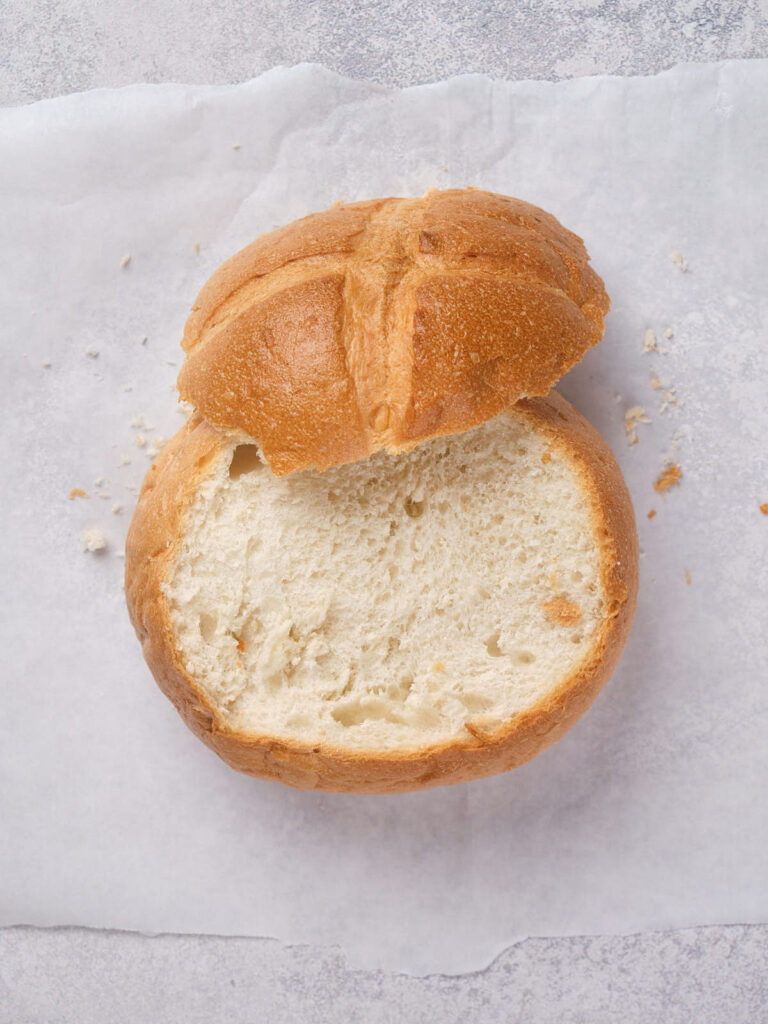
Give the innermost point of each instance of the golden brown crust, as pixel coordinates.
(152, 550)
(389, 322)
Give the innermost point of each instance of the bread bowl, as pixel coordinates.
(346, 599)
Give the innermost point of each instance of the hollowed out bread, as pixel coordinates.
(395, 623)
(378, 325)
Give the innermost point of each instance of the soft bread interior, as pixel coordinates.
(393, 603)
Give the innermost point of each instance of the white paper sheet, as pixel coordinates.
(652, 812)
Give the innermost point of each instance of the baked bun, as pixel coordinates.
(381, 324)
(406, 620)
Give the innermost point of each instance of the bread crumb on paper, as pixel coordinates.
(92, 353)
(669, 333)
(105, 495)
(119, 554)
(125, 461)
(46, 364)
(137, 422)
(125, 260)
(634, 415)
(143, 339)
(92, 539)
(687, 576)
(652, 513)
(185, 408)
(670, 477)
(669, 397)
(140, 440)
(651, 345)
(78, 492)
(764, 508)
(235, 145)
(196, 247)
(678, 260)
(156, 446)
(117, 508)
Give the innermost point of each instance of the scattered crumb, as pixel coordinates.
(92, 353)
(196, 247)
(619, 398)
(105, 495)
(157, 445)
(125, 260)
(669, 396)
(46, 364)
(764, 508)
(669, 333)
(137, 422)
(78, 492)
(185, 408)
(99, 481)
(143, 339)
(651, 345)
(125, 461)
(633, 416)
(119, 554)
(546, 457)
(687, 576)
(92, 539)
(235, 145)
(561, 611)
(140, 440)
(678, 260)
(117, 508)
(670, 477)
(652, 513)
(127, 387)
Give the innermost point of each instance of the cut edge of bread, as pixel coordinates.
(154, 549)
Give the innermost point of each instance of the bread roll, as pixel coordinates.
(381, 324)
(400, 622)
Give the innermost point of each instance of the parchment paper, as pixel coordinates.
(652, 812)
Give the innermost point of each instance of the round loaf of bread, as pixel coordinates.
(381, 324)
(399, 622)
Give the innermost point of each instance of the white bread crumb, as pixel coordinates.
(137, 422)
(92, 539)
(634, 415)
(235, 145)
(140, 440)
(99, 481)
(92, 353)
(125, 260)
(46, 364)
(157, 445)
(196, 247)
(185, 408)
(117, 508)
(678, 260)
(105, 495)
(651, 345)
(125, 461)
(669, 333)
(143, 339)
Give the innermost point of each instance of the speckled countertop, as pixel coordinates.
(710, 975)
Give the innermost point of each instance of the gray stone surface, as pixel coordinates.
(74, 976)
(56, 46)
(710, 975)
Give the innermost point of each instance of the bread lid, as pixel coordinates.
(383, 323)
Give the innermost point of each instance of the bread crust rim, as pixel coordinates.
(151, 551)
